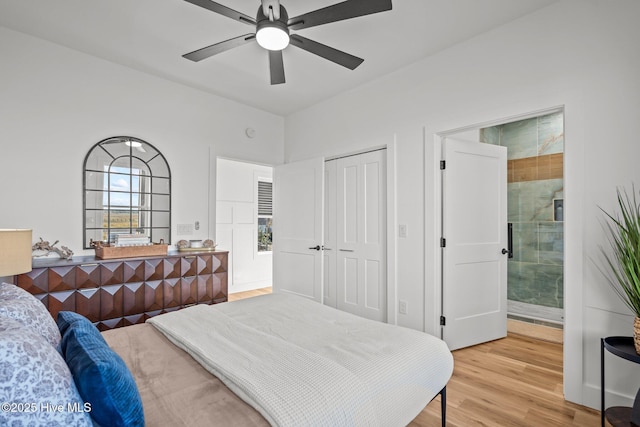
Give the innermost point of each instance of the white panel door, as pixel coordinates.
(361, 235)
(475, 231)
(297, 228)
(330, 232)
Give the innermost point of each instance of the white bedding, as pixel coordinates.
(300, 363)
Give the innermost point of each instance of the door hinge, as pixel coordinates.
(443, 242)
(443, 321)
(443, 165)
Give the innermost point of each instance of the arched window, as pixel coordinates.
(127, 190)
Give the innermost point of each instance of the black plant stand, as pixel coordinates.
(619, 415)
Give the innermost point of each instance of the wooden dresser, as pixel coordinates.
(121, 292)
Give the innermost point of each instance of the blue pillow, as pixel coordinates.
(101, 376)
(66, 318)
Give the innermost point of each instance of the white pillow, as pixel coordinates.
(20, 305)
(36, 386)
(9, 291)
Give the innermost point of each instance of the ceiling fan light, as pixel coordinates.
(272, 38)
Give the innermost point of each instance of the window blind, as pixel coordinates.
(265, 198)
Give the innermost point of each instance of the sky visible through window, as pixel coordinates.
(121, 185)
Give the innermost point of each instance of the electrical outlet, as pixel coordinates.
(402, 230)
(402, 307)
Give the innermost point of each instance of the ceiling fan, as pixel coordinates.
(272, 31)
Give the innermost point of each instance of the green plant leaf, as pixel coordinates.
(624, 259)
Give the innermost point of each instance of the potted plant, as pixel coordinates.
(624, 260)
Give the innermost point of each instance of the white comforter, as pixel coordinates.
(300, 363)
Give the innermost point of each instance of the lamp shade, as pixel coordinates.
(15, 252)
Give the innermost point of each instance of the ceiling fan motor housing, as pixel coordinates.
(263, 20)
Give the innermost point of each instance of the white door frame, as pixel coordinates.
(573, 296)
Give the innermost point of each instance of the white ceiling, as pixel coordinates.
(152, 35)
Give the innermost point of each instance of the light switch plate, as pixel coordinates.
(184, 229)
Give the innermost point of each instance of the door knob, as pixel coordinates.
(317, 248)
(504, 251)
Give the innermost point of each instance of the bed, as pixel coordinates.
(276, 360)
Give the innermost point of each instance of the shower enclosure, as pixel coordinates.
(535, 153)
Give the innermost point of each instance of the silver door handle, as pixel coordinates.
(346, 250)
(328, 249)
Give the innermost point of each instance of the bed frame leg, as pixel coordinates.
(443, 405)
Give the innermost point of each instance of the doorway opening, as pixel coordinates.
(535, 213)
(243, 223)
(535, 198)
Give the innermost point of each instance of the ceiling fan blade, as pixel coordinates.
(224, 10)
(214, 49)
(276, 67)
(334, 55)
(337, 12)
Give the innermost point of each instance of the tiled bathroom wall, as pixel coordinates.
(535, 206)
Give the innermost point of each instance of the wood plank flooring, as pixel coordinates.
(248, 294)
(515, 381)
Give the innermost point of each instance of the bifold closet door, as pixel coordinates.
(361, 235)
(330, 276)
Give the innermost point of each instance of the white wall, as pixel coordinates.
(237, 224)
(580, 54)
(55, 103)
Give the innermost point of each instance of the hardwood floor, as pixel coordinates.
(249, 294)
(515, 381)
